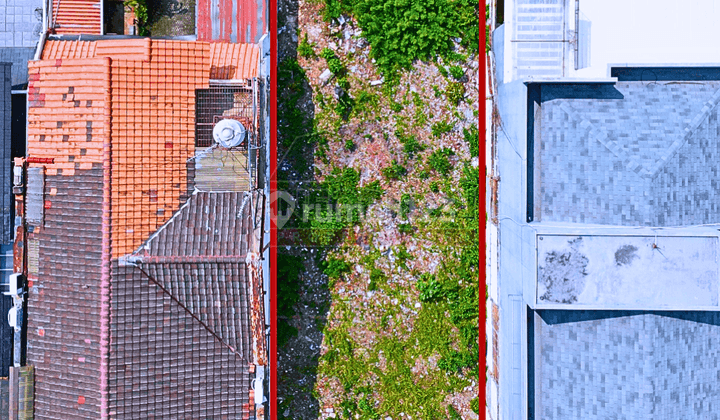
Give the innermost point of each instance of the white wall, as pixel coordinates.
(650, 32)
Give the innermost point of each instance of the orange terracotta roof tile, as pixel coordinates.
(77, 16)
(66, 111)
(125, 49)
(152, 114)
(68, 49)
(233, 61)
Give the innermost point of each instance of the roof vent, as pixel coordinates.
(229, 133)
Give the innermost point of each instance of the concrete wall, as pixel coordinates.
(20, 22)
(511, 146)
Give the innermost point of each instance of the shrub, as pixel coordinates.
(475, 405)
(441, 127)
(456, 72)
(455, 92)
(439, 161)
(288, 276)
(401, 32)
(349, 145)
(429, 288)
(376, 276)
(336, 267)
(396, 106)
(472, 137)
(406, 204)
(405, 228)
(305, 48)
(456, 361)
(453, 413)
(335, 65)
(411, 146)
(395, 171)
(402, 256)
(325, 227)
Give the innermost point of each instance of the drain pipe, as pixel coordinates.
(47, 12)
(577, 33)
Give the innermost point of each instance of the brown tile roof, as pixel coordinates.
(165, 364)
(191, 269)
(209, 224)
(77, 16)
(63, 331)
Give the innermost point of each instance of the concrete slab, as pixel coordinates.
(628, 271)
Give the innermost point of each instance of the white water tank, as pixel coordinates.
(229, 133)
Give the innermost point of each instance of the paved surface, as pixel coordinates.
(627, 365)
(638, 153)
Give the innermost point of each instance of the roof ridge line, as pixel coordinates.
(192, 314)
(689, 131)
(601, 136)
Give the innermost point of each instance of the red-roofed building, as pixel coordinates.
(144, 229)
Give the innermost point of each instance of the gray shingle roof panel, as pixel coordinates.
(645, 157)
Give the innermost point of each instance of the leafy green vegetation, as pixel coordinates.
(429, 288)
(456, 72)
(141, 14)
(395, 171)
(344, 205)
(472, 137)
(295, 132)
(455, 92)
(334, 267)
(288, 280)
(305, 48)
(411, 145)
(406, 205)
(438, 160)
(452, 412)
(349, 145)
(405, 228)
(441, 127)
(401, 32)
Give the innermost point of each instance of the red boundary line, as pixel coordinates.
(272, 32)
(482, 310)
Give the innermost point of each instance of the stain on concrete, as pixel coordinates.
(563, 273)
(625, 255)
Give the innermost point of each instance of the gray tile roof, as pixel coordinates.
(626, 365)
(645, 157)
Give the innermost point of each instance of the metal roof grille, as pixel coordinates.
(220, 102)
